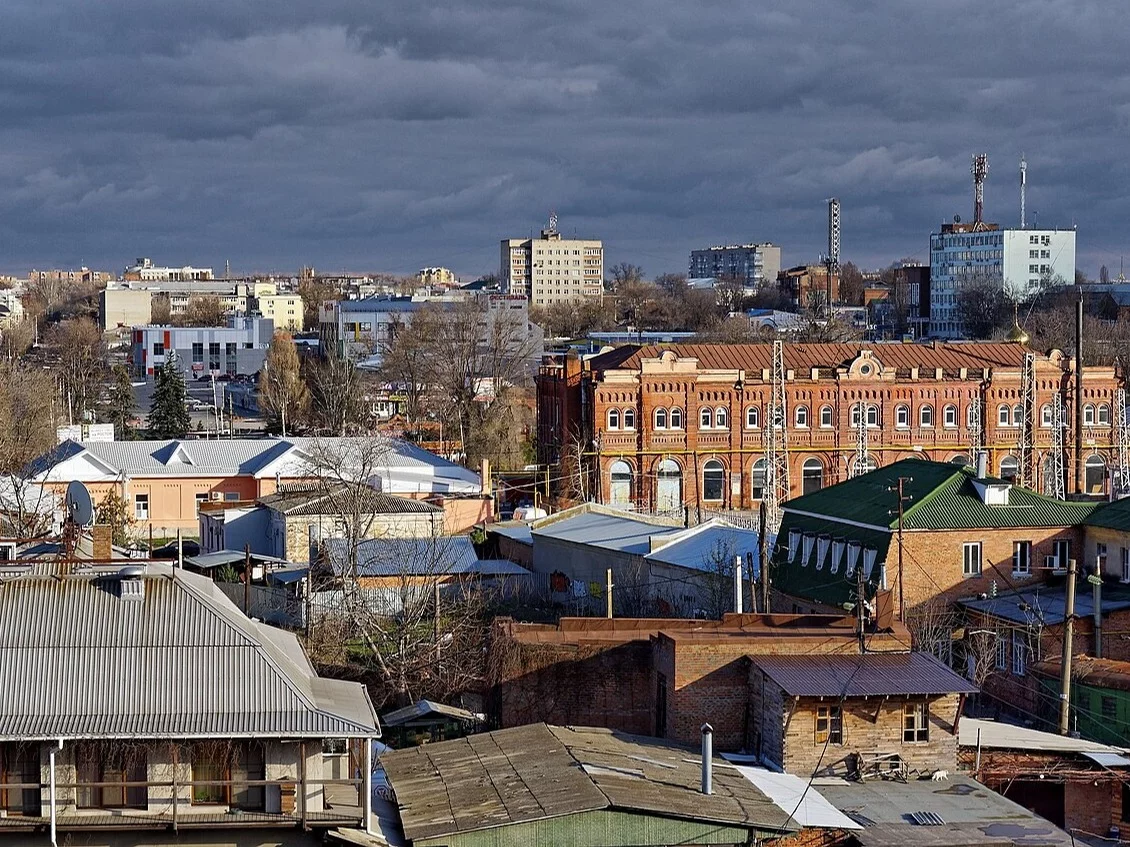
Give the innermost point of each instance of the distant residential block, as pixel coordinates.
(755, 264)
(552, 269)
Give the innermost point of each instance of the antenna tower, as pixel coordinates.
(980, 170)
(776, 443)
(1024, 475)
(975, 431)
(834, 233)
(1122, 473)
(1023, 187)
(1053, 480)
(862, 460)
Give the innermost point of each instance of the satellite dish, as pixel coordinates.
(957, 219)
(80, 509)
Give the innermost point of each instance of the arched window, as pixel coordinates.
(949, 416)
(1088, 415)
(613, 418)
(1045, 415)
(902, 417)
(826, 417)
(926, 415)
(629, 418)
(800, 414)
(661, 419)
(752, 417)
(668, 487)
(620, 488)
(1102, 415)
(676, 418)
(872, 415)
(720, 417)
(961, 460)
(706, 418)
(1017, 415)
(1003, 413)
(713, 480)
(862, 466)
(812, 476)
(1095, 474)
(972, 414)
(757, 480)
(1010, 468)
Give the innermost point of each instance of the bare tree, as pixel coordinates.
(851, 284)
(1104, 275)
(730, 291)
(622, 273)
(79, 352)
(160, 309)
(203, 310)
(335, 387)
(283, 395)
(982, 306)
(28, 420)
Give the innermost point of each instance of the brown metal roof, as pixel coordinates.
(536, 772)
(753, 358)
(872, 674)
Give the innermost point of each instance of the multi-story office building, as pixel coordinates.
(755, 264)
(1021, 261)
(286, 310)
(143, 270)
(552, 269)
(238, 348)
(682, 424)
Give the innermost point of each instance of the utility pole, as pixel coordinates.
(608, 593)
(763, 554)
(1065, 661)
(738, 585)
(1080, 471)
(903, 499)
(860, 605)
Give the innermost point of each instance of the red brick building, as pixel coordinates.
(658, 428)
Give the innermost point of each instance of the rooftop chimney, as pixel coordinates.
(707, 759)
(982, 464)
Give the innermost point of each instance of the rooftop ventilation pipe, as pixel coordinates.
(982, 464)
(707, 759)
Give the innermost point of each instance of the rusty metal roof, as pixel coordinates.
(872, 674)
(801, 358)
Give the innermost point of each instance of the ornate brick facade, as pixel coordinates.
(662, 427)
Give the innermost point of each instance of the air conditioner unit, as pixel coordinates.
(216, 495)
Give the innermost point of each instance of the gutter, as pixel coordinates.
(58, 747)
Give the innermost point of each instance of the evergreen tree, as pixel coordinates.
(168, 413)
(118, 408)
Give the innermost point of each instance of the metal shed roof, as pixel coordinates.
(78, 658)
(444, 555)
(607, 530)
(872, 674)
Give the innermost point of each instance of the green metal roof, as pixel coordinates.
(1115, 515)
(940, 496)
(812, 576)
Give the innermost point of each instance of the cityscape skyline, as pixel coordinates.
(392, 138)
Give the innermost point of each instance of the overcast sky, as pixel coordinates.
(394, 134)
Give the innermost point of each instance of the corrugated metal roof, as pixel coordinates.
(426, 707)
(1046, 605)
(78, 660)
(1113, 515)
(704, 547)
(537, 772)
(871, 674)
(801, 358)
(1005, 736)
(405, 556)
(344, 501)
(602, 529)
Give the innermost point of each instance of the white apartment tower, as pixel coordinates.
(552, 269)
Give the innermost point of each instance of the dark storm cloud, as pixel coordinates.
(397, 134)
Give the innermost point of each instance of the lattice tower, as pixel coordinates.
(975, 430)
(776, 443)
(1024, 476)
(1122, 474)
(1053, 480)
(861, 461)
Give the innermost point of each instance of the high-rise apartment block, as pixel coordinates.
(755, 264)
(1021, 261)
(552, 269)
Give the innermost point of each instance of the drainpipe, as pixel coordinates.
(367, 787)
(55, 749)
(1097, 602)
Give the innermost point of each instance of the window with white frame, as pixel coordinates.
(1004, 642)
(1019, 652)
(801, 417)
(971, 558)
(676, 418)
(752, 417)
(902, 417)
(1017, 415)
(915, 722)
(1100, 557)
(706, 418)
(613, 418)
(661, 419)
(1003, 415)
(826, 416)
(1022, 557)
(926, 415)
(1102, 415)
(949, 416)
(1045, 415)
(872, 416)
(720, 417)
(629, 418)
(141, 507)
(1088, 415)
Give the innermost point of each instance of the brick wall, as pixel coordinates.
(874, 726)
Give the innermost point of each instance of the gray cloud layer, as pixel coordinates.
(397, 134)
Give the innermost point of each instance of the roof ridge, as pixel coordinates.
(934, 494)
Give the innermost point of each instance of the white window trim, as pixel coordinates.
(965, 548)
